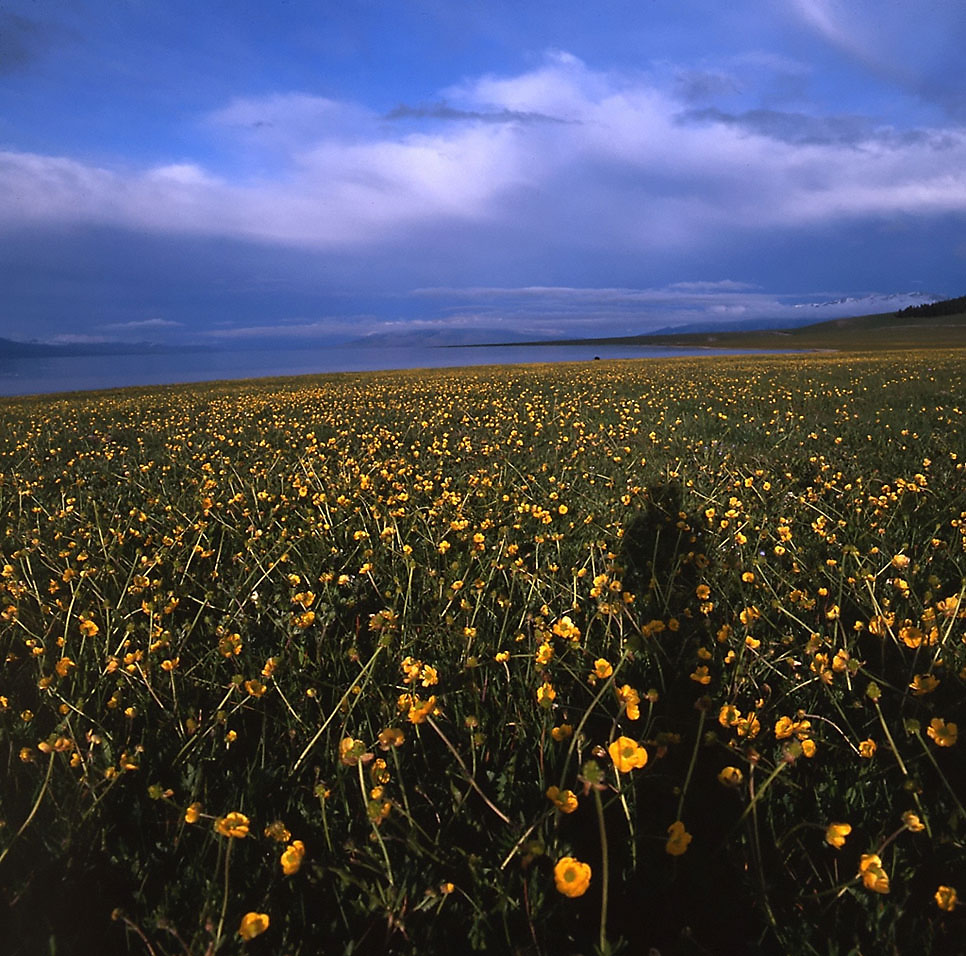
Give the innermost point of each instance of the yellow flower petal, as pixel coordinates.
(627, 754)
(571, 876)
(836, 833)
(253, 924)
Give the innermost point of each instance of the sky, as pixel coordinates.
(257, 172)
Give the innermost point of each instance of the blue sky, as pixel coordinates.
(257, 172)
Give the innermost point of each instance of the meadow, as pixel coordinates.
(539, 659)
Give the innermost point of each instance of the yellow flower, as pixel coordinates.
(703, 592)
(88, 628)
(63, 666)
(192, 813)
(411, 669)
(391, 737)
(730, 777)
(748, 726)
(252, 925)
(678, 839)
(912, 822)
(545, 694)
(350, 751)
(701, 675)
(377, 808)
(291, 858)
(421, 709)
(567, 629)
(571, 876)
(923, 684)
(229, 644)
(631, 700)
(278, 831)
(873, 876)
(627, 754)
(564, 800)
(867, 749)
(749, 615)
(563, 732)
(911, 636)
(784, 727)
(544, 653)
(233, 825)
(944, 734)
(946, 898)
(602, 668)
(255, 687)
(836, 833)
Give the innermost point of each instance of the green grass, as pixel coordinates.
(383, 614)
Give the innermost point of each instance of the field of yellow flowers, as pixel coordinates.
(547, 659)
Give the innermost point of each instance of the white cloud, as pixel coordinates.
(629, 167)
(704, 301)
(570, 310)
(181, 174)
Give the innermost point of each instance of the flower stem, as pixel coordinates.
(35, 808)
(694, 760)
(337, 709)
(375, 826)
(605, 870)
(466, 773)
(224, 899)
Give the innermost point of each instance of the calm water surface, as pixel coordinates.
(31, 376)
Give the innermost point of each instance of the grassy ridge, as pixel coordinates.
(545, 658)
(880, 332)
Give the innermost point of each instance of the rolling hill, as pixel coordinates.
(937, 325)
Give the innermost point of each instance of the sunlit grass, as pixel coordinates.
(658, 653)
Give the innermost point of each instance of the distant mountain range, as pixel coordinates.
(806, 315)
(936, 324)
(868, 304)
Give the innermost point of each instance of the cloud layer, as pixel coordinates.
(627, 157)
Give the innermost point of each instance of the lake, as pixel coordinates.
(31, 376)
